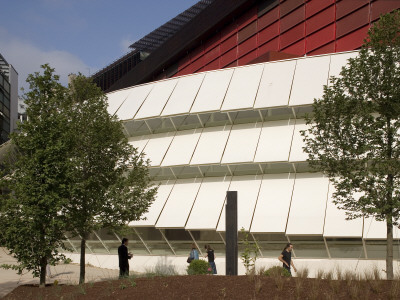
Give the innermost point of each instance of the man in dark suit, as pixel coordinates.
(123, 256)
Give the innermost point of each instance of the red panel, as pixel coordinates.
(292, 19)
(272, 45)
(288, 6)
(247, 18)
(247, 46)
(293, 35)
(345, 7)
(268, 33)
(320, 20)
(198, 64)
(382, 7)
(234, 64)
(247, 58)
(228, 30)
(212, 42)
(328, 48)
(212, 66)
(229, 43)
(320, 38)
(269, 18)
(314, 6)
(211, 55)
(183, 62)
(197, 52)
(353, 21)
(247, 31)
(228, 57)
(352, 41)
(297, 48)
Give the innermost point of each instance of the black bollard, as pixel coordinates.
(231, 233)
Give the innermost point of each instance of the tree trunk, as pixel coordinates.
(82, 264)
(43, 264)
(389, 248)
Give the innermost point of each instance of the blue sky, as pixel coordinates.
(77, 35)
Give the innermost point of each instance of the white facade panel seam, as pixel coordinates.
(226, 91)
(290, 204)
(326, 207)
(195, 97)
(291, 86)
(255, 206)
(258, 86)
(143, 102)
(195, 198)
(165, 104)
(166, 151)
(165, 203)
(227, 140)
(258, 141)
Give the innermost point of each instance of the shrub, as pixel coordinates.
(250, 253)
(198, 266)
(277, 271)
(162, 268)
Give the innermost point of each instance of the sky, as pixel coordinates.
(77, 35)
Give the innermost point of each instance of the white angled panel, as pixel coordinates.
(208, 205)
(157, 99)
(275, 85)
(157, 146)
(247, 188)
(212, 91)
(182, 147)
(275, 140)
(374, 229)
(296, 149)
(336, 224)
(133, 102)
(307, 211)
(155, 208)
(243, 88)
(272, 209)
(310, 76)
(242, 143)
(179, 204)
(115, 100)
(338, 61)
(183, 95)
(139, 142)
(211, 145)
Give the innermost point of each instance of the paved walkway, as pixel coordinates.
(64, 274)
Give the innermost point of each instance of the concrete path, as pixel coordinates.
(64, 274)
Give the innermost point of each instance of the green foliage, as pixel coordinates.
(67, 261)
(35, 187)
(250, 252)
(277, 271)
(75, 172)
(355, 130)
(110, 182)
(198, 267)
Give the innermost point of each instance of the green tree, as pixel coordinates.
(250, 252)
(110, 182)
(35, 185)
(354, 131)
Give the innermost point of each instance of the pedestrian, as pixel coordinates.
(124, 256)
(194, 253)
(286, 258)
(211, 258)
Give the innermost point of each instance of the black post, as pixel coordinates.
(231, 233)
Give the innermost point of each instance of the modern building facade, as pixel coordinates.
(8, 99)
(229, 119)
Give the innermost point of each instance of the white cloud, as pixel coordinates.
(125, 43)
(27, 58)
